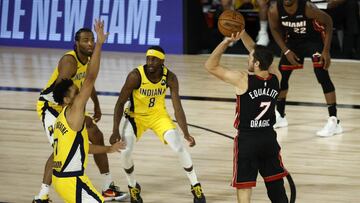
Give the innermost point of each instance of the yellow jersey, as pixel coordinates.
(149, 98)
(70, 148)
(78, 78)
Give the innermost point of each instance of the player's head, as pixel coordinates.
(155, 57)
(84, 41)
(289, 2)
(260, 58)
(64, 92)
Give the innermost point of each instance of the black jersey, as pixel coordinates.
(255, 109)
(297, 26)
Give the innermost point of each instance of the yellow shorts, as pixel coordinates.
(159, 123)
(76, 189)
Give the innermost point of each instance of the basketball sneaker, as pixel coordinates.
(44, 199)
(263, 39)
(280, 121)
(199, 196)
(114, 193)
(332, 127)
(135, 194)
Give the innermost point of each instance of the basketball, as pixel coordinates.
(230, 22)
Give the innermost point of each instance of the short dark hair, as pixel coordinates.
(264, 56)
(61, 90)
(77, 34)
(157, 48)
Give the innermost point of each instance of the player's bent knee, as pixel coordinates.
(172, 137)
(323, 78)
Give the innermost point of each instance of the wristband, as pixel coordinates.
(287, 51)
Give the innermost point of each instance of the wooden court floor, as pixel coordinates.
(325, 170)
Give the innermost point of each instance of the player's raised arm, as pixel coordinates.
(76, 111)
(132, 82)
(212, 64)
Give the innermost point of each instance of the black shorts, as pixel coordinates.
(256, 152)
(303, 48)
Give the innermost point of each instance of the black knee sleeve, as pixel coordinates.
(285, 75)
(276, 191)
(323, 78)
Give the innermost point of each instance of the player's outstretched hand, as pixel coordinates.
(325, 59)
(117, 146)
(292, 58)
(99, 29)
(191, 140)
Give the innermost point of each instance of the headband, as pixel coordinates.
(156, 53)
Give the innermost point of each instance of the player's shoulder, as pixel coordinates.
(134, 74)
(68, 59)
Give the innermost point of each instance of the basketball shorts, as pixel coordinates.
(256, 152)
(48, 112)
(303, 48)
(159, 123)
(76, 189)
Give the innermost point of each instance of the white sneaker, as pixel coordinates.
(331, 128)
(263, 39)
(280, 121)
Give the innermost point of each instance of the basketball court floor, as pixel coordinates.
(324, 169)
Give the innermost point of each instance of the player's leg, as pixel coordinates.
(332, 126)
(128, 134)
(165, 129)
(109, 190)
(243, 195)
(48, 118)
(263, 36)
(272, 168)
(286, 69)
(245, 167)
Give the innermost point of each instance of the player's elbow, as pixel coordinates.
(210, 67)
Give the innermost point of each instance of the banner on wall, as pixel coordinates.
(134, 25)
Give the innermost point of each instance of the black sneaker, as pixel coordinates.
(199, 196)
(41, 200)
(114, 193)
(135, 194)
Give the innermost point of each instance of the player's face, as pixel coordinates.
(71, 94)
(289, 2)
(153, 64)
(86, 43)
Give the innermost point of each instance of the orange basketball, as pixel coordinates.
(230, 22)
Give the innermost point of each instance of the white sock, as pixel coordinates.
(131, 179)
(44, 190)
(107, 180)
(263, 26)
(192, 177)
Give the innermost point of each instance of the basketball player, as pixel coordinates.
(73, 65)
(146, 86)
(256, 148)
(297, 27)
(71, 142)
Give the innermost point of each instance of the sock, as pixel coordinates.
(263, 26)
(280, 106)
(332, 110)
(44, 190)
(107, 180)
(192, 177)
(131, 179)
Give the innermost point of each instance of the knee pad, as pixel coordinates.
(173, 139)
(323, 78)
(276, 191)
